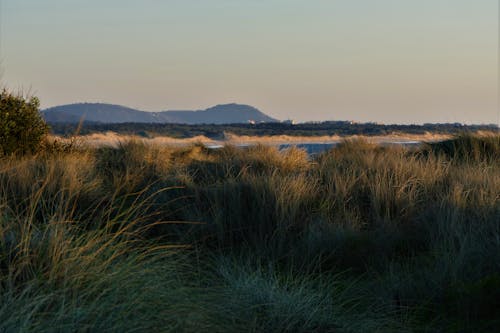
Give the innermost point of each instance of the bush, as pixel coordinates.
(22, 129)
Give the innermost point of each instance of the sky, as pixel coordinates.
(386, 61)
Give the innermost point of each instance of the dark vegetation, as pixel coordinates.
(305, 129)
(362, 238)
(22, 129)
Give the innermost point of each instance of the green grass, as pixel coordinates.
(147, 238)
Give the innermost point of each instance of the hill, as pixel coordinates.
(113, 114)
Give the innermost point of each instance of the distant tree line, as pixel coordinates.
(328, 128)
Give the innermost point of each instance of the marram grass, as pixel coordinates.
(149, 238)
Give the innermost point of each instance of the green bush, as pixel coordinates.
(22, 129)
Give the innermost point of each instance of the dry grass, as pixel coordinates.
(84, 229)
(111, 139)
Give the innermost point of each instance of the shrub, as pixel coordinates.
(22, 129)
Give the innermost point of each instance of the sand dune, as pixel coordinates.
(113, 139)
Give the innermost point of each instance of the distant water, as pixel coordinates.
(318, 148)
(311, 148)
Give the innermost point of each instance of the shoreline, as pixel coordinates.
(112, 139)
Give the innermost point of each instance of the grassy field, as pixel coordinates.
(363, 238)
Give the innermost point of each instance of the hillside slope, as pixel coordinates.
(110, 113)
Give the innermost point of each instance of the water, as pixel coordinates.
(318, 148)
(310, 148)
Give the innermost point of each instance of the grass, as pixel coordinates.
(142, 237)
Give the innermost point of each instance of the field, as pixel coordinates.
(140, 236)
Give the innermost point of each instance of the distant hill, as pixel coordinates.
(112, 114)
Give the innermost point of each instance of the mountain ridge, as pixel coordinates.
(113, 113)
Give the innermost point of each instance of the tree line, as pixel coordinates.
(327, 128)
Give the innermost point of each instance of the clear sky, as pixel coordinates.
(391, 61)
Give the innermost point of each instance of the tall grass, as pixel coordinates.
(60, 274)
(362, 238)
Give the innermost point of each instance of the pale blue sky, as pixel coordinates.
(392, 61)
